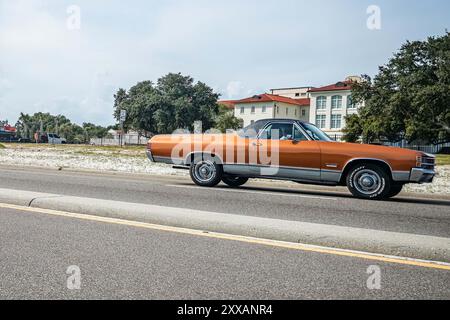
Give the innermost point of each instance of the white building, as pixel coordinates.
(294, 93)
(269, 106)
(325, 106)
(330, 105)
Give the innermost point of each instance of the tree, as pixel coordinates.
(175, 102)
(409, 97)
(353, 129)
(27, 125)
(226, 120)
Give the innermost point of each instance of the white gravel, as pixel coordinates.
(73, 159)
(134, 161)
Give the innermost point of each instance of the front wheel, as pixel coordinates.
(395, 190)
(206, 173)
(369, 181)
(234, 181)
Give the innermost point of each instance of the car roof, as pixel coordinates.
(279, 120)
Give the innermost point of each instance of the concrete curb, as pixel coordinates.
(376, 241)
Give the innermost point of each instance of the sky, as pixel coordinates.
(70, 57)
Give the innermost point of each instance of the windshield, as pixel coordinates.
(315, 133)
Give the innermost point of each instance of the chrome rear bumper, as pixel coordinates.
(149, 155)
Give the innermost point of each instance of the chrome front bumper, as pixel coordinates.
(419, 175)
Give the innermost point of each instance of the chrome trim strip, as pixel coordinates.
(167, 160)
(401, 176)
(270, 167)
(290, 173)
(331, 175)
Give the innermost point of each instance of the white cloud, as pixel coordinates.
(276, 44)
(234, 89)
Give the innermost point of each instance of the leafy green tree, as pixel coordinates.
(27, 125)
(409, 97)
(353, 129)
(174, 102)
(226, 120)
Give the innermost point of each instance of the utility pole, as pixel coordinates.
(123, 117)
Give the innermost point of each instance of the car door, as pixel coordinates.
(285, 151)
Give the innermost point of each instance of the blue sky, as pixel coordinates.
(238, 47)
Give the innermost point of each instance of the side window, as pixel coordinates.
(298, 135)
(278, 131)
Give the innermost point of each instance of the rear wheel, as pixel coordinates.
(206, 173)
(368, 181)
(395, 190)
(234, 181)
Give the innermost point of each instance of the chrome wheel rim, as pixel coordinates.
(205, 171)
(367, 182)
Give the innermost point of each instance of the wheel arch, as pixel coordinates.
(191, 156)
(358, 161)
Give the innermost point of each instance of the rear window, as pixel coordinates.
(252, 130)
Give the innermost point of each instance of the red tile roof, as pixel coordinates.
(304, 102)
(228, 103)
(343, 85)
(275, 98)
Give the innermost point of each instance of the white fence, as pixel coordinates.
(431, 148)
(116, 141)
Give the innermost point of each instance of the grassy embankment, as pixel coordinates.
(443, 159)
(83, 150)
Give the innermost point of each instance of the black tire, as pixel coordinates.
(234, 181)
(206, 172)
(368, 181)
(395, 190)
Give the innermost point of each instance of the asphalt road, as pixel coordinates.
(274, 200)
(126, 262)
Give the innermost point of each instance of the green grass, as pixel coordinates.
(2, 146)
(83, 147)
(443, 159)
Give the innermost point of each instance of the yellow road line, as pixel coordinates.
(223, 236)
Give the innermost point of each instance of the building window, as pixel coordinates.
(336, 102)
(320, 120)
(321, 103)
(297, 94)
(278, 109)
(350, 103)
(303, 112)
(242, 110)
(253, 110)
(287, 111)
(296, 111)
(252, 122)
(336, 121)
(264, 109)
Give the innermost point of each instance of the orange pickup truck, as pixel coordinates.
(292, 150)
